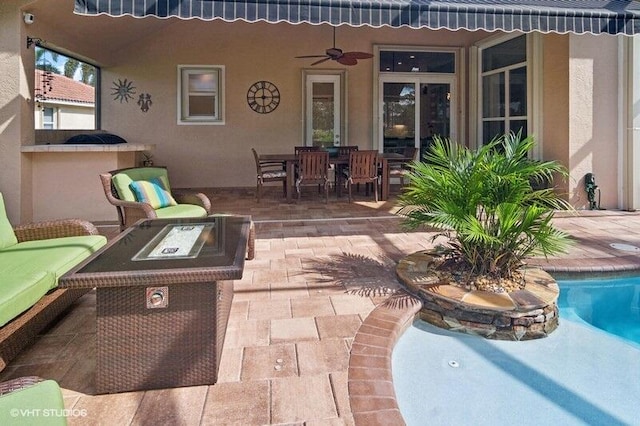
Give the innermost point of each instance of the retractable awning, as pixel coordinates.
(559, 16)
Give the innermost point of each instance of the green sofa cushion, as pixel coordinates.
(181, 210)
(122, 180)
(20, 291)
(7, 236)
(21, 407)
(57, 255)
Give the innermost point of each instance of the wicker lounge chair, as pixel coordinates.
(117, 185)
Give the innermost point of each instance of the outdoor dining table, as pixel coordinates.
(289, 161)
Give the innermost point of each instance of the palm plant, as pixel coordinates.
(486, 203)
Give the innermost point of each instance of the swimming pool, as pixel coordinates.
(578, 375)
(612, 305)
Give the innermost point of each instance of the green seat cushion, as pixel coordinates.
(122, 180)
(21, 407)
(57, 255)
(7, 236)
(181, 210)
(152, 192)
(20, 291)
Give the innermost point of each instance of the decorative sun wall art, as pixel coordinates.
(123, 90)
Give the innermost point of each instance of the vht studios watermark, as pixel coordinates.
(48, 412)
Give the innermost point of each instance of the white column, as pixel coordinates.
(630, 128)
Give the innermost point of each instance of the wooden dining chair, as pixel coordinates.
(401, 170)
(298, 149)
(269, 171)
(341, 170)
(313, 169)
(363, 168)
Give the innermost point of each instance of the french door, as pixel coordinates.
(414, 109)
(323, 110)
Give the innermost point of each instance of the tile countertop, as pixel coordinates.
(87, 147)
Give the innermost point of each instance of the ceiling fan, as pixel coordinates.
(335, 54)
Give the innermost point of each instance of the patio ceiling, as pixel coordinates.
(558, 16)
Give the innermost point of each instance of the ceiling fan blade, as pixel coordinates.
(347, 60)
(321, 61)
(358, 55)
(311, 56)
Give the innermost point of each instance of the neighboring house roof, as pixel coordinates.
(557, 16)
(63, 89)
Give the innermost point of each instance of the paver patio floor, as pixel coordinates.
(318, 273)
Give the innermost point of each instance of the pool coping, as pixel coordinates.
(370, 379)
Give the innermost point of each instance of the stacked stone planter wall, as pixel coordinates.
(530, 313)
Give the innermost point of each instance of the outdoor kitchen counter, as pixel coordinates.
(65, 178)
(123, 147)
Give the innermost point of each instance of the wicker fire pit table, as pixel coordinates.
(164, 291)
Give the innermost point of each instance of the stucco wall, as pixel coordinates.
(593, 115)
(201, 155)
(556, 102)
(16, 117)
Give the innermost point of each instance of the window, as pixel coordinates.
(48, 121)
(201, 95)
(66, 92)
(417, 61)
(504, 89)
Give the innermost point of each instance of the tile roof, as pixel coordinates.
(64, 89)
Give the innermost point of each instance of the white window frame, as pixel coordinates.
(533, 63)
(183, 95)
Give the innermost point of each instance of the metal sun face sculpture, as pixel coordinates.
(123, 90)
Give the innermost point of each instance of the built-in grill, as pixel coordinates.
(95, 139)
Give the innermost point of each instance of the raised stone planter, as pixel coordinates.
(530, 313)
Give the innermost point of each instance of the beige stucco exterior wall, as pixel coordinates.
(593, 117)
(68, 116)
(16, 115)
(220, 155)
(555, 103)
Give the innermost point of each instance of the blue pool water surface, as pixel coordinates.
(611, 305)
(578, 375)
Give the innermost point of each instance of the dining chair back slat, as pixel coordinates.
(313, 169)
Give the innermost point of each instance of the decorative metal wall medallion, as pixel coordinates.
(263, 97)
(123, 90)
(144, 101)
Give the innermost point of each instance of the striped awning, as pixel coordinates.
(558, 16)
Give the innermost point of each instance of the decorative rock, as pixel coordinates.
(501, 321)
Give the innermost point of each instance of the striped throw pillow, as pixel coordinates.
(152, 192)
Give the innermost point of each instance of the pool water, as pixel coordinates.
(578, 375)
(612, 305)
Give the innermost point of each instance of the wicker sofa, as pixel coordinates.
(32, 257)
